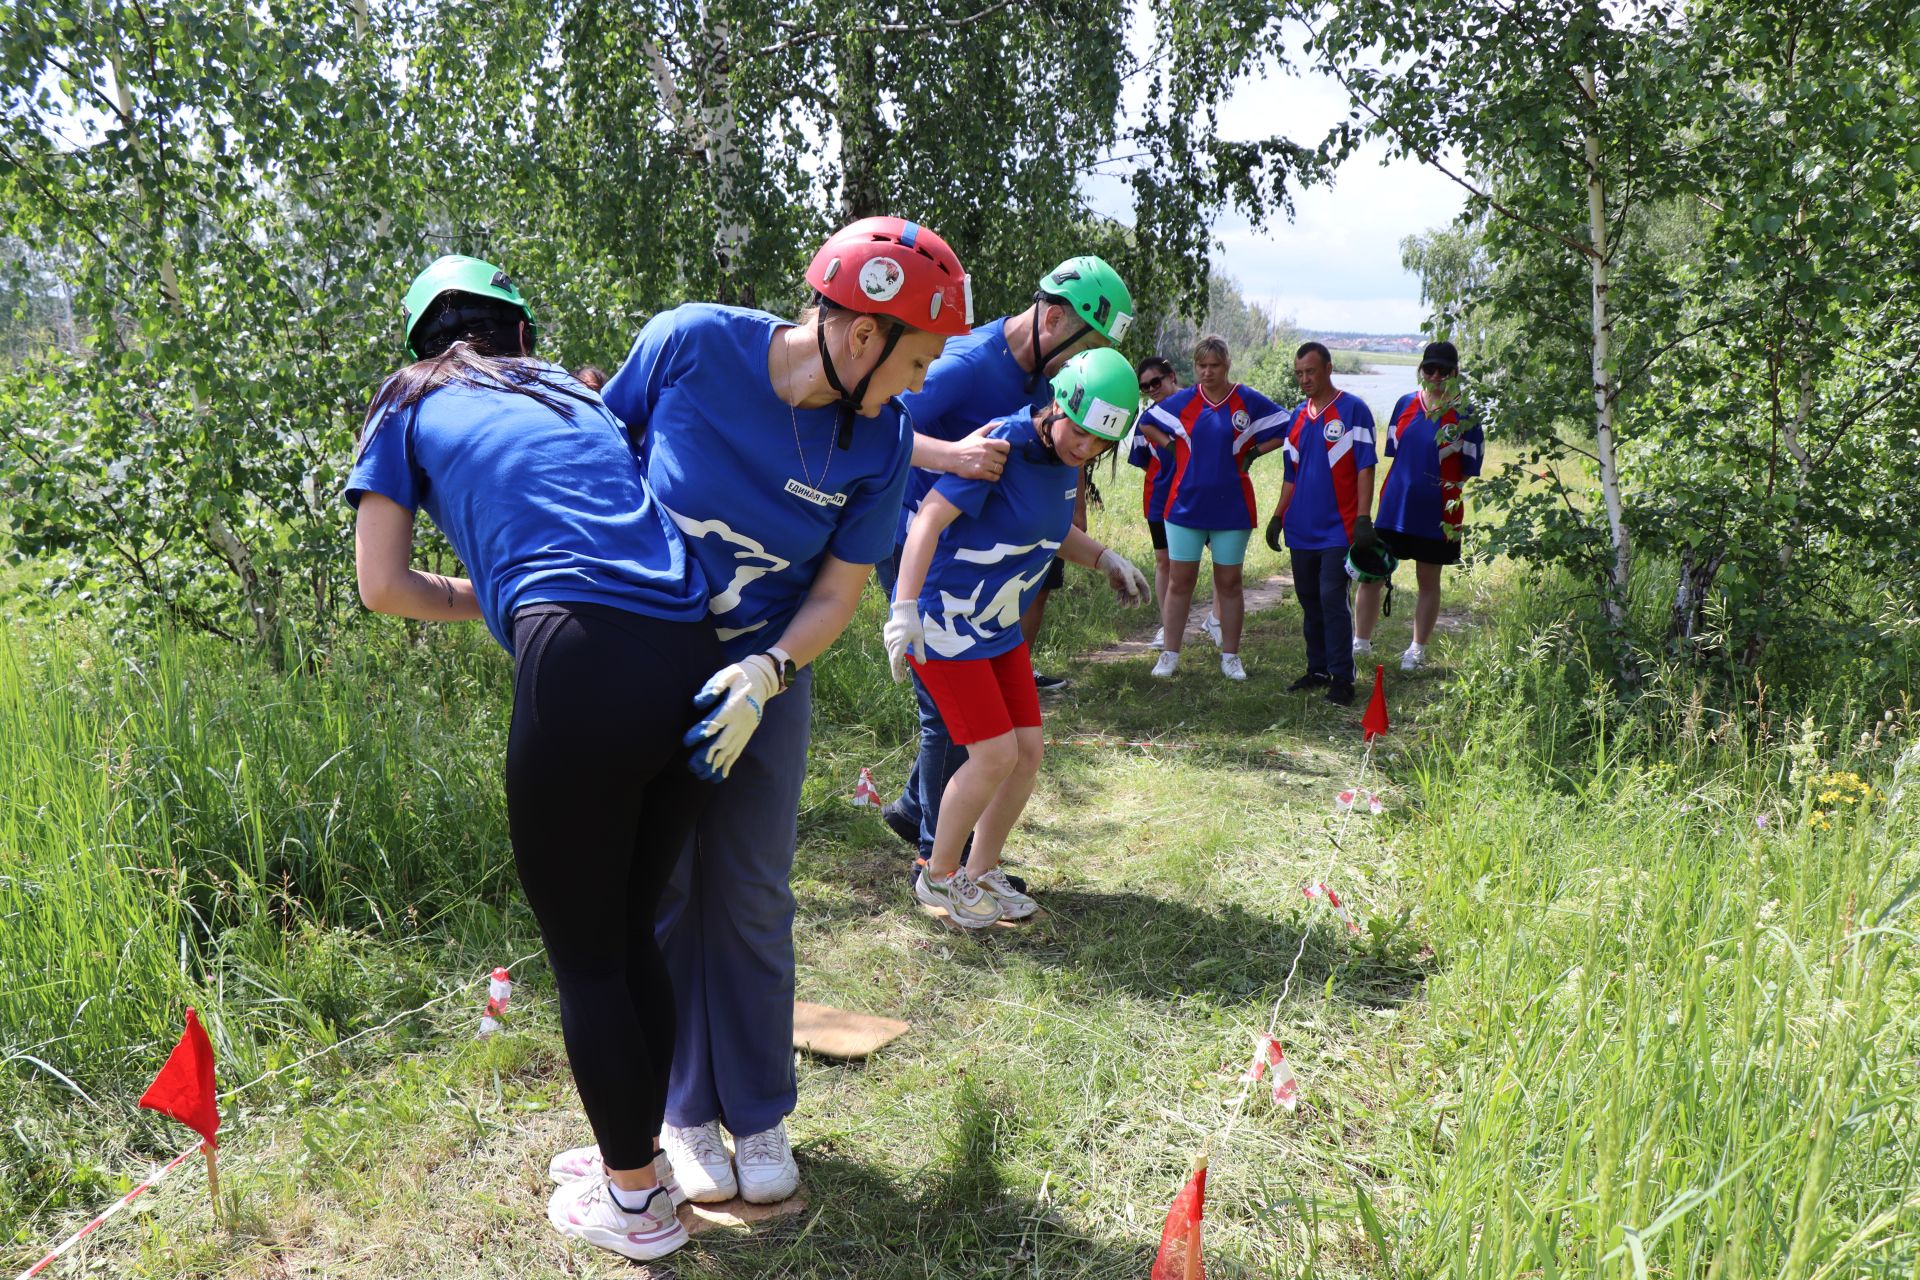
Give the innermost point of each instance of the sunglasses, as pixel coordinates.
(1153, 382)
(1437, 371)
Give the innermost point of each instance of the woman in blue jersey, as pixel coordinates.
(1436, 448)
(1213, 430)
(1157, 381)
(580, 574)
(779, 451)
(976, 555)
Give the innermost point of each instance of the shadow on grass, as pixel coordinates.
(956, 1219)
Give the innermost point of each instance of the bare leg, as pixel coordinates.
(1182, 577)
(967, 796)
(1229, 604)
(1161, 577)
(1366, 609)
(1007, 804)
(634, 1179)
(1426, 610)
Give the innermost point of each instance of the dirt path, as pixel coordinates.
(1261, 595)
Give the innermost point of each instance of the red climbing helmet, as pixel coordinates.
(892, 267)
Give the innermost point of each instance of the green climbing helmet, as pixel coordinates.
(457, 273)
(1096, 389)
(1095, 291)
(1371, 564)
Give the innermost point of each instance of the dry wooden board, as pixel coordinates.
(697, 1218)
(940, 914)
(841, 1033)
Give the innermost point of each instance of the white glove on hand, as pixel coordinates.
(904, 629)
(733, 699)
(1127, 580)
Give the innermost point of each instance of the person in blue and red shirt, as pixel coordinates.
(1325, 510)
(1157, 381)
(780, 451)
(976, 555)
(1436, 446)
(1213, 431)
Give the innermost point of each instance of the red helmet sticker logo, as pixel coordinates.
(881, 278)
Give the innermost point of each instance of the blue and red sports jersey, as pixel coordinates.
(1431, 457)
(1209, 488)
(1158, 464)
(1325, 453)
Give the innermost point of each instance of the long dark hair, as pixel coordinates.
(469, 341)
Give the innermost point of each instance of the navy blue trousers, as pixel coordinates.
(1320, 578)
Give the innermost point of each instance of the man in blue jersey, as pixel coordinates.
(1000, 368)
(1325, 510)
(1436, 446)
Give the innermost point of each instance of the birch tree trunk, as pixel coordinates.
(1603, 387)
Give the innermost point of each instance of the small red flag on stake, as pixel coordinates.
(1179, 1257)
(184, 1088)
(865, 794)
(1375, 720)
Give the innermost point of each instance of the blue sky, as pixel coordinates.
(1336, 265)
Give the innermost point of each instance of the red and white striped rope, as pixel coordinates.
(108, 1212)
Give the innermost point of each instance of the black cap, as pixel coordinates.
(1440, 353)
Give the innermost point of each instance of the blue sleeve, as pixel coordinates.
(1139, 449)
(1473, 448)
(635, 388)
(865, 532)
(383, 466)
(1363, 452)
(1269, 419)
(1289, 463)
(968, 495)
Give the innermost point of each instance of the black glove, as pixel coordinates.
(1273, 530)
(1364, 537)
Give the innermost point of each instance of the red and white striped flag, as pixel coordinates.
(1267, 1053)
(865, 794)
(1320, 891)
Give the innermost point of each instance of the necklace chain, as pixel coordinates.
(786, 357)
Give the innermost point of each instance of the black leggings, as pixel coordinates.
(601, 805)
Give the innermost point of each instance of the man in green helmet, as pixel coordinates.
(1000, 368)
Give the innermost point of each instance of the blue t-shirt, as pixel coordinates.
(1210, 489)
(991, 561)
(1158, 464)
(975, 380)
(1325, 453)
(761, 491)
(539, 509)
(1431, 459)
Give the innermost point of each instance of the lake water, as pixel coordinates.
(1380, 386)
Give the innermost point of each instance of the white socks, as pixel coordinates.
(633, 1201)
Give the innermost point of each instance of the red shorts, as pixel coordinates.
(981, 698)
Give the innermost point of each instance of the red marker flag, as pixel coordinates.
(1375, 721)
(1179, 1257)
(184, 1088)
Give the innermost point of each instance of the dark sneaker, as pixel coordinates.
(901, 825)
(1311, 680)
(1047, 684)
(1340, 693)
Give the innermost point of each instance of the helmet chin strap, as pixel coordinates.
(850, 401)
(1040, 361)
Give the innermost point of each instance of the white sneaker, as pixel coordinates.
(580, 1163)
(1230, 667)
(1166, 663)
(965, 902)
(1414, 658)
(1362, 648)
(1014, 905)
(1160, 637)
(1212, 627)
(585, 1210)
(768, 1174)
(700, 1161)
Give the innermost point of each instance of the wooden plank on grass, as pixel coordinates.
(841, 1033)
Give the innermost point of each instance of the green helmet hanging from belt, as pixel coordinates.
(456, 273)
(1097, 390)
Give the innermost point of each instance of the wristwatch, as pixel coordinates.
(782, 664)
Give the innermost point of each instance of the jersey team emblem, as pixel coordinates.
(1332, 430)
(1241, 420)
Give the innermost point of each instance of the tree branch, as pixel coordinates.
(887, 28)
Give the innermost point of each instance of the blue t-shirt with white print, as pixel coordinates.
(990, 562)
(975, 381)
(761, 491)
(540, 508)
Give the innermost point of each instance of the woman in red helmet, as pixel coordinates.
(779, 451)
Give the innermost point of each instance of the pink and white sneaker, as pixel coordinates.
(579, 1163)
(585, 1210)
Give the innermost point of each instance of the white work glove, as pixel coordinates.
(1127, 580)
(904, 629)
(733, 699)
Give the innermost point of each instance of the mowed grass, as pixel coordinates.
(1598, 1021)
